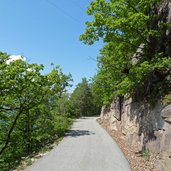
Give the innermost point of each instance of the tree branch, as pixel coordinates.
(129, 3)
(10, 131)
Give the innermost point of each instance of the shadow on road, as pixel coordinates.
(77, 133)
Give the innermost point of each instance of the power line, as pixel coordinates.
(63, 11)
(91, 58)
(79, 7)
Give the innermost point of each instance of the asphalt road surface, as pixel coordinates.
(87, 147)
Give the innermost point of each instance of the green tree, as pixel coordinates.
(133, 60)
(64, 106)
(82, 99)
(27, 108)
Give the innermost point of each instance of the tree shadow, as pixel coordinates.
(78, 133)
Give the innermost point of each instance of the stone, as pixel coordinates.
(136, 118)
(133, 139)
(115, 108)
(166, 126)
(113, 123)
(165, 144)
(166, 113)
(154, 144)
(164, 163)
(139, 118)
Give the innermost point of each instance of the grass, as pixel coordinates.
(146, 154)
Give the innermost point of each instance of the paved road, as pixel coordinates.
(87, 147)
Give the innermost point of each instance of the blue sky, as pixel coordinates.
(46, 31)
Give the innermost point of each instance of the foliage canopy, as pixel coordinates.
(29, 117)
(84, 101)
(136, 56)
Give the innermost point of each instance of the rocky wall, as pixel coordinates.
(141, 124)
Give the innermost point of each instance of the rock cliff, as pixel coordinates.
(143, 125)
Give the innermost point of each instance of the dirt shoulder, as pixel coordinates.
(137, 160)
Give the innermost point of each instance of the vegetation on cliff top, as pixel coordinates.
(136, 56)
